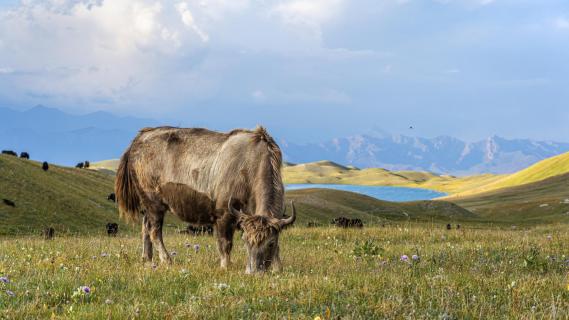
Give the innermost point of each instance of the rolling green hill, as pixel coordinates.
(322, 205)
(75, 200)
(68, 199)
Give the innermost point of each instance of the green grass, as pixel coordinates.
(331, 273)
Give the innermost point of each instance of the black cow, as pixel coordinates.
(356, 223)
(112, 229)
(200, 230)
(25, 155)
(344, 222)
(112, 197)
(86, 164)
(9, 203)
(48, 233)
(45, 166)
(449, 226)
(9, 152)
(79, 165)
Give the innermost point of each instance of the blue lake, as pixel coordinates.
(398, 194)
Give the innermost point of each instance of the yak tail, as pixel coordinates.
(127, 189)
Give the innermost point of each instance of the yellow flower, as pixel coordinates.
(317, 318)
(567, 286)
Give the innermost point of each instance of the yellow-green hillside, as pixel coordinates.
(542, 170)
(327, 172)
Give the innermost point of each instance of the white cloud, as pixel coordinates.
(188, 20)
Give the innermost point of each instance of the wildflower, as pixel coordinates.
(104, 254)
(415, 258)
(404, 258)
(4, 280)
(196, 247)
(317, 318)
(86, 290)
(10, 293)
(549, 237)
(173, 253)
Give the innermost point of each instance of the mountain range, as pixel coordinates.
(444, 154)
(52, 135)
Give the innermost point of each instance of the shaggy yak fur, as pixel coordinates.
(206, 177)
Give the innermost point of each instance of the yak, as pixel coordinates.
(199, 230)
(48, 233)
(228, 180)
(344, 222)
(9, 202)
(112, 229)
(9, 153)
(112, 197)
(25, 155)
(80, 165)
(45, 166)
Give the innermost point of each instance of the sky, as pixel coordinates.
(309, 70)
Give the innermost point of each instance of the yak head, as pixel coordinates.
(261, 236)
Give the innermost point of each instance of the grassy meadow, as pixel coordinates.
(474, 272)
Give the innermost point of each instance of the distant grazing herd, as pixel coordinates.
(112, 228)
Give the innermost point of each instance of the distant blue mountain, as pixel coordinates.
(441, 154)
(52, 135)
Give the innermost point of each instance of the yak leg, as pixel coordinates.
(146, 242)
(156, 221)
(225, 230)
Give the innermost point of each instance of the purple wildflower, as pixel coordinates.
(86, 290)
(404, 258)
(196, 247)
(415, 257)
(10, 293)
(4, 280)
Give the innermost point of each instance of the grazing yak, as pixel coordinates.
(112, 229)
(206, 177)
(9, 203)
(112, 197)
(9, 153)
(199, 230)
(48, 233)
(25, 155)
(45, 166)
(344, 222)
(80, 165)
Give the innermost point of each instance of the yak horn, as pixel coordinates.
(232, 210)
(290, 220)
